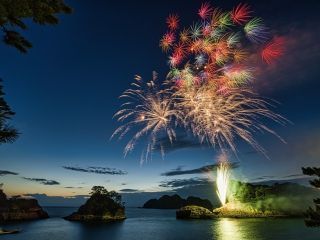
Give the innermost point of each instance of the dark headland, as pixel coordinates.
(18, 209)
(176, 202)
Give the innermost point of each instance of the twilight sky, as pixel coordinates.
(65, 92)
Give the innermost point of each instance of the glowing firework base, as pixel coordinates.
(240, 210)
(229, 210)
(232, 209)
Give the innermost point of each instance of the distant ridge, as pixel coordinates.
(175, 202)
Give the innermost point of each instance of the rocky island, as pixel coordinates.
(176, 202)
(101, 206)
(18, 209)
(194, 212)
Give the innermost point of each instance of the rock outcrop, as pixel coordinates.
(100, 207)
(176, 202)
(194, 212)
(17, 209)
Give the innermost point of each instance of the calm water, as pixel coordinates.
(161, 224)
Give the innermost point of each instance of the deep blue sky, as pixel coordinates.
(65, 91)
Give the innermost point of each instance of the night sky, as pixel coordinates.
(65, 92)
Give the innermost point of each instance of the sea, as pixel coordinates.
(156, 224)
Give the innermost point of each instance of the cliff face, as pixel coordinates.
(16, 209)
(99, 208)
(175, 202)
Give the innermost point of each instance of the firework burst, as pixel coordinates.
(256, 30)
(167, 41)
(149, 112)
(222, 118)
(241, 14)
(273, 50)
(216, 42)
(205, 10)
(173, 22)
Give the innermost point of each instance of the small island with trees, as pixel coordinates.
(101, 206)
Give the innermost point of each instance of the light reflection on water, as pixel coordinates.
(158, 224)
(229, 229)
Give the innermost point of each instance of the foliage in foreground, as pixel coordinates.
(313, 215)
(14, 13)
(8, 134)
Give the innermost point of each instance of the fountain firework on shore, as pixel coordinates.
(222, 181)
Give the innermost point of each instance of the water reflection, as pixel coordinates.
(229, 229)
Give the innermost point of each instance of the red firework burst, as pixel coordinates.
(173, 21)
(167, 41)
(273, 50)
(205, 10)
(175, 59)
(241, 13)
(180, 49)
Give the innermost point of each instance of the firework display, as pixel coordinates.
(217, 49)
(208, 89)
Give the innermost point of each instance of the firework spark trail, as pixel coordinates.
(222, 181)
(148, 111)
(220, 119)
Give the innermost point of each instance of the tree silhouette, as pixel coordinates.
(13, 14)
(98, 191)
(8, 134)
(313, 215)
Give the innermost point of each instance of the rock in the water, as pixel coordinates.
(16, 209)
(107, 216)
(101, 206)
(194, 212)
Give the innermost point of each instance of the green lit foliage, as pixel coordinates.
(246, 192)
(313, 215)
